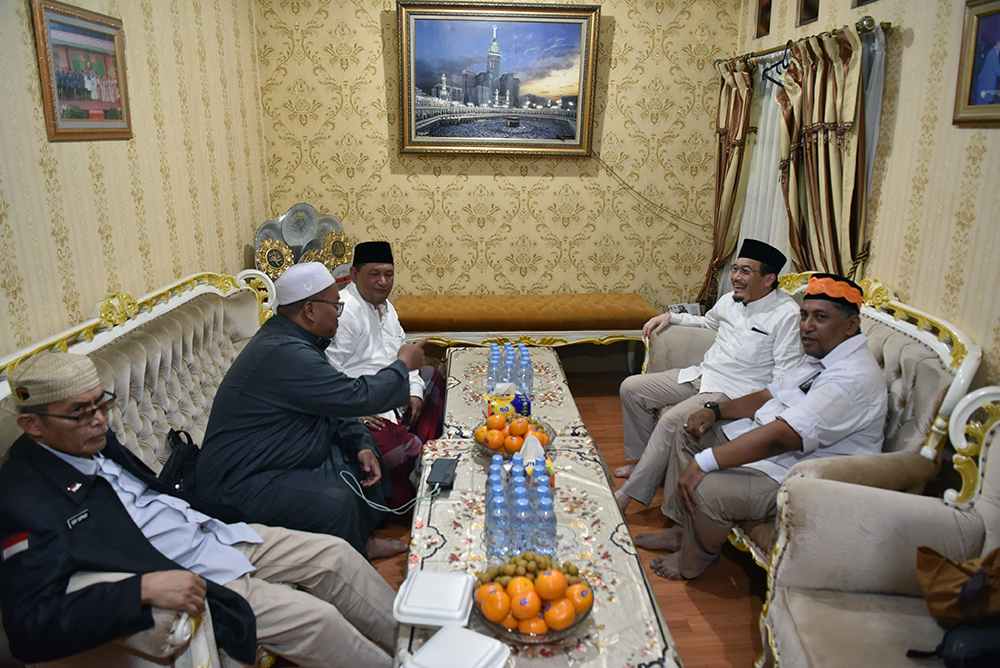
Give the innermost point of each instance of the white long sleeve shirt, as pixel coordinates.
(367, 340)
(836, 404)
(199, 543)
(755, 344)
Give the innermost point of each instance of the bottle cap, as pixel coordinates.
(499, 501)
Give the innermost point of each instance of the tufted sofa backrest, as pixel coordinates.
(166, 371)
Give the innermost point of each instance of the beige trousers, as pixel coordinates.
(724, 498)
(341, 612)
(648, 439)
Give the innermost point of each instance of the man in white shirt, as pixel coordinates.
(726, 467)
(756, 343)
(367, 340)
(73, 499)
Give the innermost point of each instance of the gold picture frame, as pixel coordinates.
(81, 62)
(522, 77)
(977, 92)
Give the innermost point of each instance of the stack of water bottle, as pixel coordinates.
(519, 512)
(510, 365)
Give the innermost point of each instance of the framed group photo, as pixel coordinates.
(81, 61)
(496, 78)
(977, 94)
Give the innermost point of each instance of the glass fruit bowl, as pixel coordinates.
(515, 637)
(482, 432)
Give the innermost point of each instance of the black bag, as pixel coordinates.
(178, 472)
(965, 646)
(178, 475)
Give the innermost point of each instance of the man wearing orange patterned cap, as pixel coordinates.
(832, 403)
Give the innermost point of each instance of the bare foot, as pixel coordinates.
(668, 539)
(624, 471)
(379, 548)
(622, 499)
(668, 566)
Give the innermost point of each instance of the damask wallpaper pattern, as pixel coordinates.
(934, 198)
(81, 219)
(496, 224)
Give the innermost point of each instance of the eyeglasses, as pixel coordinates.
(746, 271)
(337, 305)
(83, 416)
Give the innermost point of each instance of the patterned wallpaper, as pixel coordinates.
(79, 220)
(495, 224)
(934, 201)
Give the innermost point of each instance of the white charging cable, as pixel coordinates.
(355, 486)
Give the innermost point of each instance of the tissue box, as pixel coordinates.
(507, 404)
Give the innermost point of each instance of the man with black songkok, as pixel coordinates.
(367, 340)
(756, 343)
(727, 465)
(283, 425)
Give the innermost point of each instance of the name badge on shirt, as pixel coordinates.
(76, 519)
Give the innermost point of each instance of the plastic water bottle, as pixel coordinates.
(545, 528)
(522, 526)
(498, 530)
(508, 370)
(492, 493)
(518, 483)
(525, 378)
(543, 492)
(497, 459)
(517, 460)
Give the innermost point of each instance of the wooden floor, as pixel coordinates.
(713, 619)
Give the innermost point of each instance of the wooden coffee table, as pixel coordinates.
(625, 627)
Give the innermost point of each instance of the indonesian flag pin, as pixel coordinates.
(14, 544)
(75, 486)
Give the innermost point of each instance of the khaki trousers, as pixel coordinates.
(341, 613)
(648, 439)
(724, 498)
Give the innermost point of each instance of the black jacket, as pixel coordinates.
(77, 523)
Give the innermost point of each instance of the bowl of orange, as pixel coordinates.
(541, 606)
(504, 434)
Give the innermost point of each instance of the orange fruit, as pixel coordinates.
(560, 614)
(542, 437)
(484, 590)
(494, 439)
(551, 585)
(534, 625)
(480, 434)
(519, 426)
(510, 622)
(496, 421)
(527, 605)
(496, 606)
(513, 443)
(581, 597)
(519, 585)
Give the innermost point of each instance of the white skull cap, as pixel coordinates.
(302, 280)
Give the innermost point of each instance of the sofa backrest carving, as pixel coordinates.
(164, 360)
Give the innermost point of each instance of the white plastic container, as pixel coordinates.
(430, 598)
(456, 647)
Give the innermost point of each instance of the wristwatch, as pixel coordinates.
(714, 405)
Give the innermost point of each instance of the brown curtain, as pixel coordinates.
(732, 124)
(823, 153)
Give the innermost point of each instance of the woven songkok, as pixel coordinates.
(342, 274)
(835, 289)
(49, 377)
(302, 280)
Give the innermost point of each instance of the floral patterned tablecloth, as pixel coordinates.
(625, 628)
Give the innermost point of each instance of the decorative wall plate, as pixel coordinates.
(340, 248)
(327, 224)
(269, 230)
(273, 257)
(299, 224)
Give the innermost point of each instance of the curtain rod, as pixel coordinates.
(864, 24)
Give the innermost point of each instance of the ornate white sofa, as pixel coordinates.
(928, 364)
(164, 356)
(843, 587)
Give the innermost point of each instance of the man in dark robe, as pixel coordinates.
(283, 429)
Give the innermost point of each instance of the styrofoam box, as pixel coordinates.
(430, 598)
(457, 647)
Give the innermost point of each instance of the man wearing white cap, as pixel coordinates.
(367, 340)
(73, 501)
(282, 426)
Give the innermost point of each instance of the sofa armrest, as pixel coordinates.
(677, 347)
(891, 470)
(842, 537)
(165, 640)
